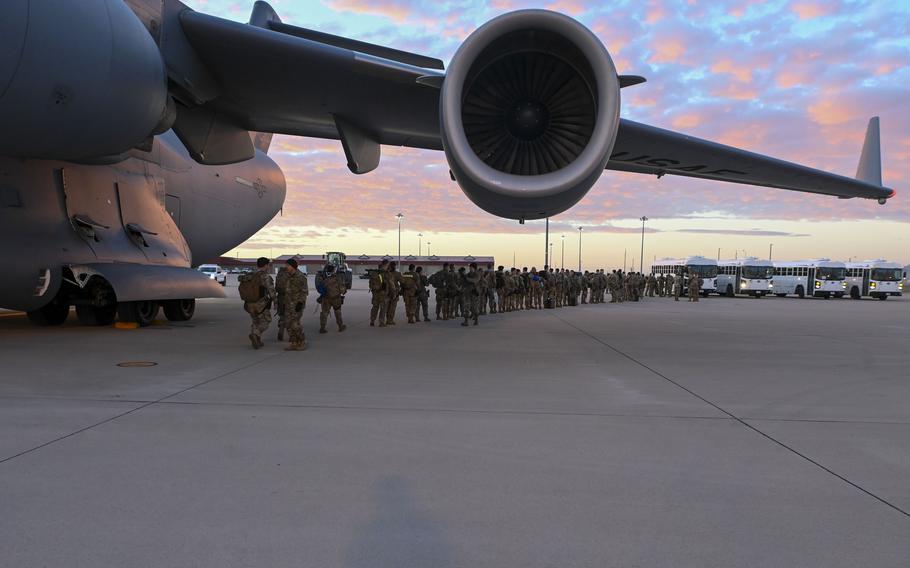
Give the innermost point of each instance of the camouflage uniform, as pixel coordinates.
(394, 287)
(295, 293)
(453, 292)
(438, 281)
(694, 287)
(260, 311)
(423, 295)
(470, 295)
(332, 300)
(408, 286)
(380, 296)
(280, 280)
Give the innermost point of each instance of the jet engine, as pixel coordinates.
(529, 112)
(86, 90)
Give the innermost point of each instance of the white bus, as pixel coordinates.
(706, 268)
(874, 278)
(745, 276)
(821, 278)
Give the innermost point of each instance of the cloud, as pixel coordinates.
(743, 232)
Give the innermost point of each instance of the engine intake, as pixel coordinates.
(529, 112)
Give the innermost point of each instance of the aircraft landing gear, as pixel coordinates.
(142, 312)
(101, 304)
(179, 310)
(54, 313)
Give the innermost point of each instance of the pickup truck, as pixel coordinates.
(214, 272)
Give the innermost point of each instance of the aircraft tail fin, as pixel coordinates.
(870, 161)
(262, 141)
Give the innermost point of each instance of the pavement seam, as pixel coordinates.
(138, 408)
(734, 417)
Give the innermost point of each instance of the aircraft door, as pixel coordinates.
(94, 213)
(150, 227)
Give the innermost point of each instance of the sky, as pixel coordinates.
(792, 79)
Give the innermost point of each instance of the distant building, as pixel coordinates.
(312, 263)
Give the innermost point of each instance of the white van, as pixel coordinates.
(214, 272)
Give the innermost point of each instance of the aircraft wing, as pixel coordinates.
(646, 149)
(268, 76)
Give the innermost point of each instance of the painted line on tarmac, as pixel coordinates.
(733, 416)
(138, 408)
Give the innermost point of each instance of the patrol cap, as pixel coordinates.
(292, 262)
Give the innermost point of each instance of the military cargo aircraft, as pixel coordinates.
(130, 126)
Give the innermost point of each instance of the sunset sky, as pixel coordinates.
(795, 80)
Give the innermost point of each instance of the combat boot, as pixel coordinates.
(280, 334)
(341, 327)
(254, 342)
(322, 330)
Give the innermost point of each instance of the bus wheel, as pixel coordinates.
(142, 312)
(54, 313)
(179, 310)
(883, 297)
(854, 293)
(800, 292)
(730, 290)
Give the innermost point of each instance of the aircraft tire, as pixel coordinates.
(54, 313)
(96, 316)
(142, 312)
(179, 310)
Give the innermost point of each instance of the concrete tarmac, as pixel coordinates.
(732, 432)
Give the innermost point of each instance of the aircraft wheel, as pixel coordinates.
(96, 316)
(142, 312)
(54, 313)
(730, 293)
(179, 310)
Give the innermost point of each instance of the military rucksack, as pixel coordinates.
(500, 281)
(376, 283)
(320, 283)
(250, 289)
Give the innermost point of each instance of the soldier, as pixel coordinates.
(295, 293)
(423, 295)
(469, 293)
(438, 280)
(453, 292)
(331, 289)
(500, 277)
(258, 291)
(490, 276)
(482, 292)
(280, 281)
(694, 286)
(678, 285)
(409, 291)
(379, 291)
(393, 284)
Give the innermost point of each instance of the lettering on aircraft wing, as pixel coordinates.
(256, 186)
(671, 164)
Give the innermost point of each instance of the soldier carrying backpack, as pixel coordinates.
(257, 290)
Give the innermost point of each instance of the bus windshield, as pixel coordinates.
(704, 270)
(886, 274)
(830, 273)
(763, 272)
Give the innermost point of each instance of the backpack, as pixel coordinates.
(376, 281)
(437, 280)
(320, 283)
(251, 291)
(500, 281)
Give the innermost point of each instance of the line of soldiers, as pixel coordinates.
(288, 292)
(475, 291)
(460, 293)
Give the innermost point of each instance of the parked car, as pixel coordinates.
(214, 272)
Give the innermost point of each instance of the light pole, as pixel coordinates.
(419, 243)
(551, 250)
(770, 251)
(580, 229)
(546, 239)
(428, 248)
(563, 261)
(400, 216)
(642, 257)
(624, 253)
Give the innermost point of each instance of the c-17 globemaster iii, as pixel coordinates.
(135, 135)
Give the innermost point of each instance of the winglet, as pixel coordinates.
(870, 161)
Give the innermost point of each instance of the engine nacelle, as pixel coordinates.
(529, 112)
(98, 88)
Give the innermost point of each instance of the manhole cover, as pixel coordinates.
(137, 364)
